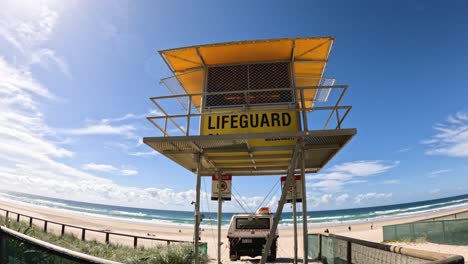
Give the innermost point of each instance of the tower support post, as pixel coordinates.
(279, 210)
(220, 217)
(196, 230)
(304, 212)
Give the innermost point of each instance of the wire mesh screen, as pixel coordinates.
(232, 78)
(313, 246)
(361, 254)
(334, 250)
(452, 232)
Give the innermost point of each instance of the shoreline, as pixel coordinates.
(311, 224)
(208, 233)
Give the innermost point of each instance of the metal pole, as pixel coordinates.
(220, 204)
(304, 211)
(279, 210)
(197, 213)
(294, 222)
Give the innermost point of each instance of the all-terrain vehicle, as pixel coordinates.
(247, 235)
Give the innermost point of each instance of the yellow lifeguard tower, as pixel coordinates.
(247, 108)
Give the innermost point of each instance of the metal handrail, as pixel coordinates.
(68, 254)
(84, 229)
(242, 108)
(432, 257)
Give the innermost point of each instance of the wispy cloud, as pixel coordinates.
(434, 174)
(108, 168)
(450, 138)
(402, 150)
(100, 129)
(391, 181)
(143, 154)
(434, 191)
(334, 179)
(362, 198)
(45, 57)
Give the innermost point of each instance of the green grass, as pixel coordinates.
(181, 253)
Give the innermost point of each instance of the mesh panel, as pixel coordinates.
(366, 255)
(452, 232)
(333, 250)
(313, 246)
(234, 78)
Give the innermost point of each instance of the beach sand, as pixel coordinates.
(209, 235)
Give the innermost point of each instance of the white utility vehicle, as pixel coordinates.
(247, 234)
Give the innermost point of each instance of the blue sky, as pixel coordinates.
(75, 78)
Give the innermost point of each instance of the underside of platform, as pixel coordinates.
(233, 154)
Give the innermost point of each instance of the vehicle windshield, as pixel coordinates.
(253, 223)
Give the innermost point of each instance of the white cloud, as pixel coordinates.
(144, 154)
(100, 129)
(402, 150)
(450, 138)
(44, 57)
(434, 191)
(434, 174)
(361, 198)
(108, 168)
(342, 198)
(335, 178)
(391, 181)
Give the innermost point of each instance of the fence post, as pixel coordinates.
(135, 242)
(320, 247)
(45, 226)
(107, 238)
(6, 216)
(63, 230)
(348, 253)
(18, 217)
(168, 242)
(83, 234)
(443, 230)
(30, 221)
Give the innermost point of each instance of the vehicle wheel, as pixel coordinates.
(233, 256)
(271, 258)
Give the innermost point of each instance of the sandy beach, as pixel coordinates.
(208, 234)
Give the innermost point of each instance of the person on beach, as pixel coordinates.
(349, 228)
(326, 231)
(372, 226)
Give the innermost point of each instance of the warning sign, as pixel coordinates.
(224, 187)
(295, 187)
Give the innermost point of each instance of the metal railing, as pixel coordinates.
(19, 248)
(333, 249)
(9, 213)
(179, 121)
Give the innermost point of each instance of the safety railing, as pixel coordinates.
(11, 215)
(19, 248)
(174, 120)
(334, 249)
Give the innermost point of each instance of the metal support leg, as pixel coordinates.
(279, 211)
(304, 211)
(294, 224)
(220, 204)
(197, 214)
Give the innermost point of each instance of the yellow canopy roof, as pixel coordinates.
(310, 56)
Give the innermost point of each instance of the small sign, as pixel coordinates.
(225, 188)
(297, 186)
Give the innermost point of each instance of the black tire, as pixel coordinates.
(272, 258)
(233, 256)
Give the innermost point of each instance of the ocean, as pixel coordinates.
(317, 218)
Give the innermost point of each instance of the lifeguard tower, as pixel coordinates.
(251, 108)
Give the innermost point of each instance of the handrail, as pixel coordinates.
(78, 256)
(299, 105)
(432, 257)
(84, 229)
